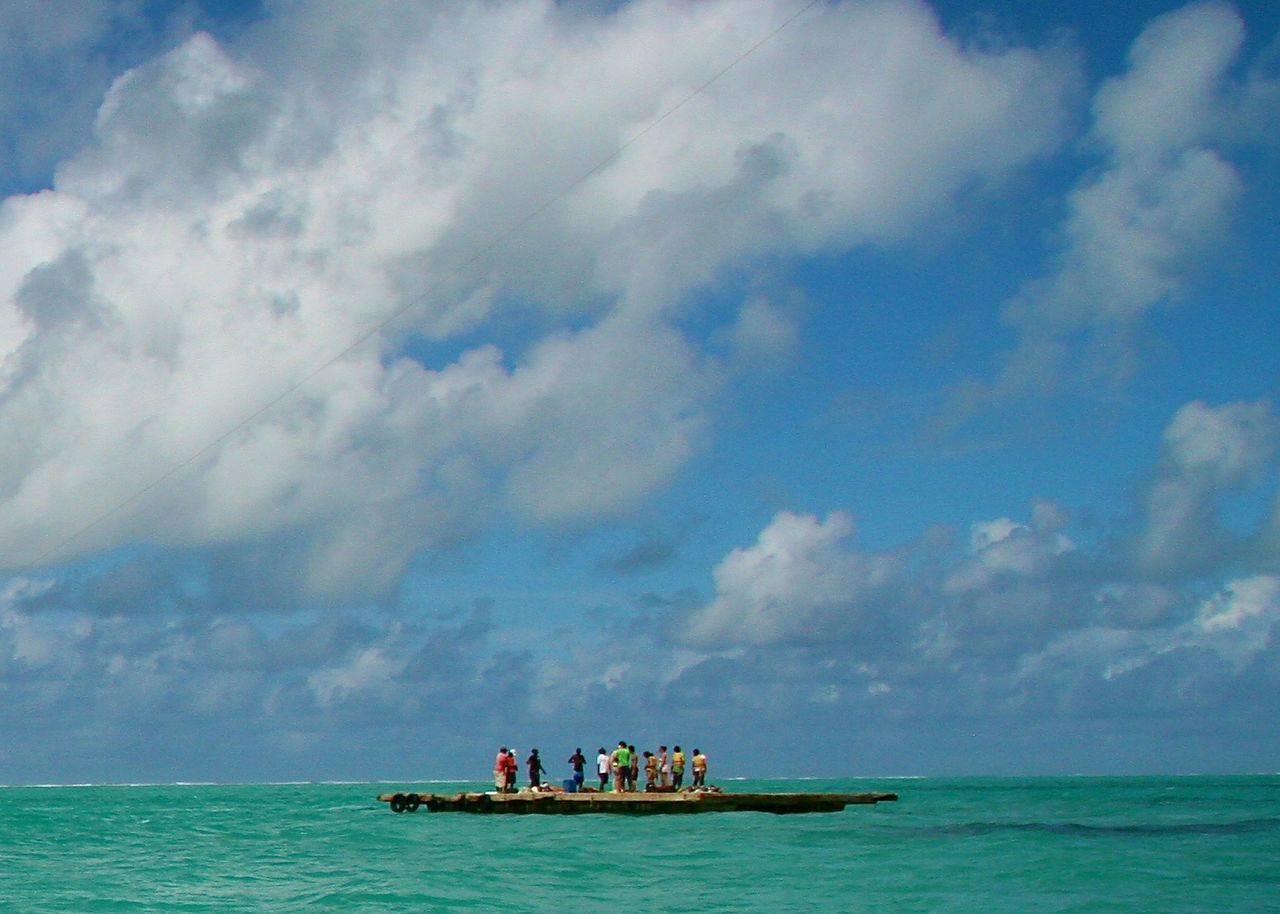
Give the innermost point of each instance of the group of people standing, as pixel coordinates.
(506, 768)
(663, 771)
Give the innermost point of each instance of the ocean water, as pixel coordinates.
(1184, 844)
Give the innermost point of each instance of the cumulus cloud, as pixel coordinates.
(370, 670)
(1006, 547)
(1163, 195)
(181, 312)
(627, 401)
(1023, 618)
(1238, 621)
(796, 583)
(1136, 227)
(119, 687)
(1233, 625)
(53, 71)
(1208, 453)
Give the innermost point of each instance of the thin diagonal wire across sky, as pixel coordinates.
(467, 263)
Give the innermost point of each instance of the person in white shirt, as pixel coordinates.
(602, 768)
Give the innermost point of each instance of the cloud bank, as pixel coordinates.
(1015, 622)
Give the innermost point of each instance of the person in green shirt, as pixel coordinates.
(621, 762)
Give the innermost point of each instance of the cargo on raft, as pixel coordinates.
(557, 802)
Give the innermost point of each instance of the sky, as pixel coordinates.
(842, 388)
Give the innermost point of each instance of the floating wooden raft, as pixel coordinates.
(557, 803)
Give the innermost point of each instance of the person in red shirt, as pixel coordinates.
(500, 771)
(513, 769)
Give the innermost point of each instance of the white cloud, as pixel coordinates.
(1130, 235)
(368, 670)
(796, 583)
(1137, 227)
(1163, 195)
(1006, 547)
(1248, 606)
(600, 418)
(1025, 614)
(1020, 621)
(28, 644)
(53, 71)
(1207, 453)
(247, 212)
(988, 533)
(764, 337)
(1169, 98)
(1227, 446)
(1235, 623)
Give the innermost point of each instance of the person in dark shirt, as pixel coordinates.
(535, 768)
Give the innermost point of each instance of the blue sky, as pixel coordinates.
(848, 388)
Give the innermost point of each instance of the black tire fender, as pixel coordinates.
(399, 803)
(412, 802)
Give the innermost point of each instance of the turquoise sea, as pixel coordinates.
(1156, 844)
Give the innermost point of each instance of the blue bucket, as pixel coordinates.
(570, 786)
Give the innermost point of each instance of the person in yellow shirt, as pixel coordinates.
(699, 768)
(677, 768)
(650, 770)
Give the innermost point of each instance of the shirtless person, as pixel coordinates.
(579, 763)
